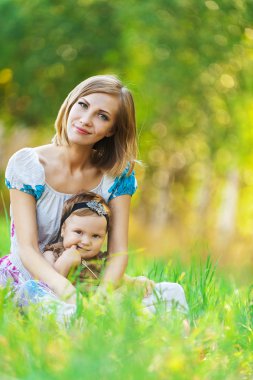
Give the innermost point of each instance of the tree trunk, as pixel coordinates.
(227, 214)
(203, 200)
(161, 213)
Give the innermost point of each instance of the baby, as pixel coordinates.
(84, 225)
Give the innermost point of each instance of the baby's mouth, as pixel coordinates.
(83, 249)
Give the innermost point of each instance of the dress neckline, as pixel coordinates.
(71, 194)
(60, 192)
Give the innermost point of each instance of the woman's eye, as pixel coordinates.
(103, 117)
(83, 104)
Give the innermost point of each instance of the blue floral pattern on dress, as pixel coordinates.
(7, 183)
(36, 192)
(34, 291)
(123, 185)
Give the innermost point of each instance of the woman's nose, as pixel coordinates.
(86, 119)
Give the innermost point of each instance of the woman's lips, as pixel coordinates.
(81, 130)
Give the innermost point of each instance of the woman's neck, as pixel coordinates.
(77, 157)
(68, 169)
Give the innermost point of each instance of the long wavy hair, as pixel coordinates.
(111, 154)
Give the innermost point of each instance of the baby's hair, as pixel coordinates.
(84, 197)
(118, 151)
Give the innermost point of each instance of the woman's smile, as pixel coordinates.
(81, 130)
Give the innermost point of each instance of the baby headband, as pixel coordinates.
(95, 206)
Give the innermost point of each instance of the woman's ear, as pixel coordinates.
(110, 133)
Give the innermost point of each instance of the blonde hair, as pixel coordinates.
(112, 154)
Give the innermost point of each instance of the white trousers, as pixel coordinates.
(166, 296)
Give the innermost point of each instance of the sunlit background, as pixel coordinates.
(189, 64)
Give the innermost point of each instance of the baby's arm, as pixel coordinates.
(69, 259)
(49, 256)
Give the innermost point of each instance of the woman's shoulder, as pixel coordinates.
(25, 172)
(45, 153)
(29, 154)
(23, 153)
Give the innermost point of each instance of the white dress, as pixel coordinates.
(25, 173)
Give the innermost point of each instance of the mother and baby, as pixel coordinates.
(68, 195)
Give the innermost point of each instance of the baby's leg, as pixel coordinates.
(166, 295)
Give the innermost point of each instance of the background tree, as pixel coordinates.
(189, 64)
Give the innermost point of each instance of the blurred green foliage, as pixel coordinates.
(49, 47)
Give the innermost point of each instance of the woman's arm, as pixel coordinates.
(117, 240)
(24, 208)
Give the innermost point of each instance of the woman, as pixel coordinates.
(94, 149)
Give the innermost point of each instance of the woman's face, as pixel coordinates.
(92, 118)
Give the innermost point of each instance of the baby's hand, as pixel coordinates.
(146, 283)
(70, 259)
(72, 255)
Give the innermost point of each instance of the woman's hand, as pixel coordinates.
(144, 283)
(141, 282)
(64, 290)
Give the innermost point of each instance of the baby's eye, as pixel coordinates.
(83, 104)
(96, 236)
(78, 232)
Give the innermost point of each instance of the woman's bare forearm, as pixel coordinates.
(115, 269)
(42, 270)
(117, 240)
(30, 255)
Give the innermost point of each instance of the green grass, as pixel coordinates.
(113, 340)
(4, 236)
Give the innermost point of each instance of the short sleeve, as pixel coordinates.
(24, 172)
(123, 185)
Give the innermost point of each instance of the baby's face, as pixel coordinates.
(87, 233)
